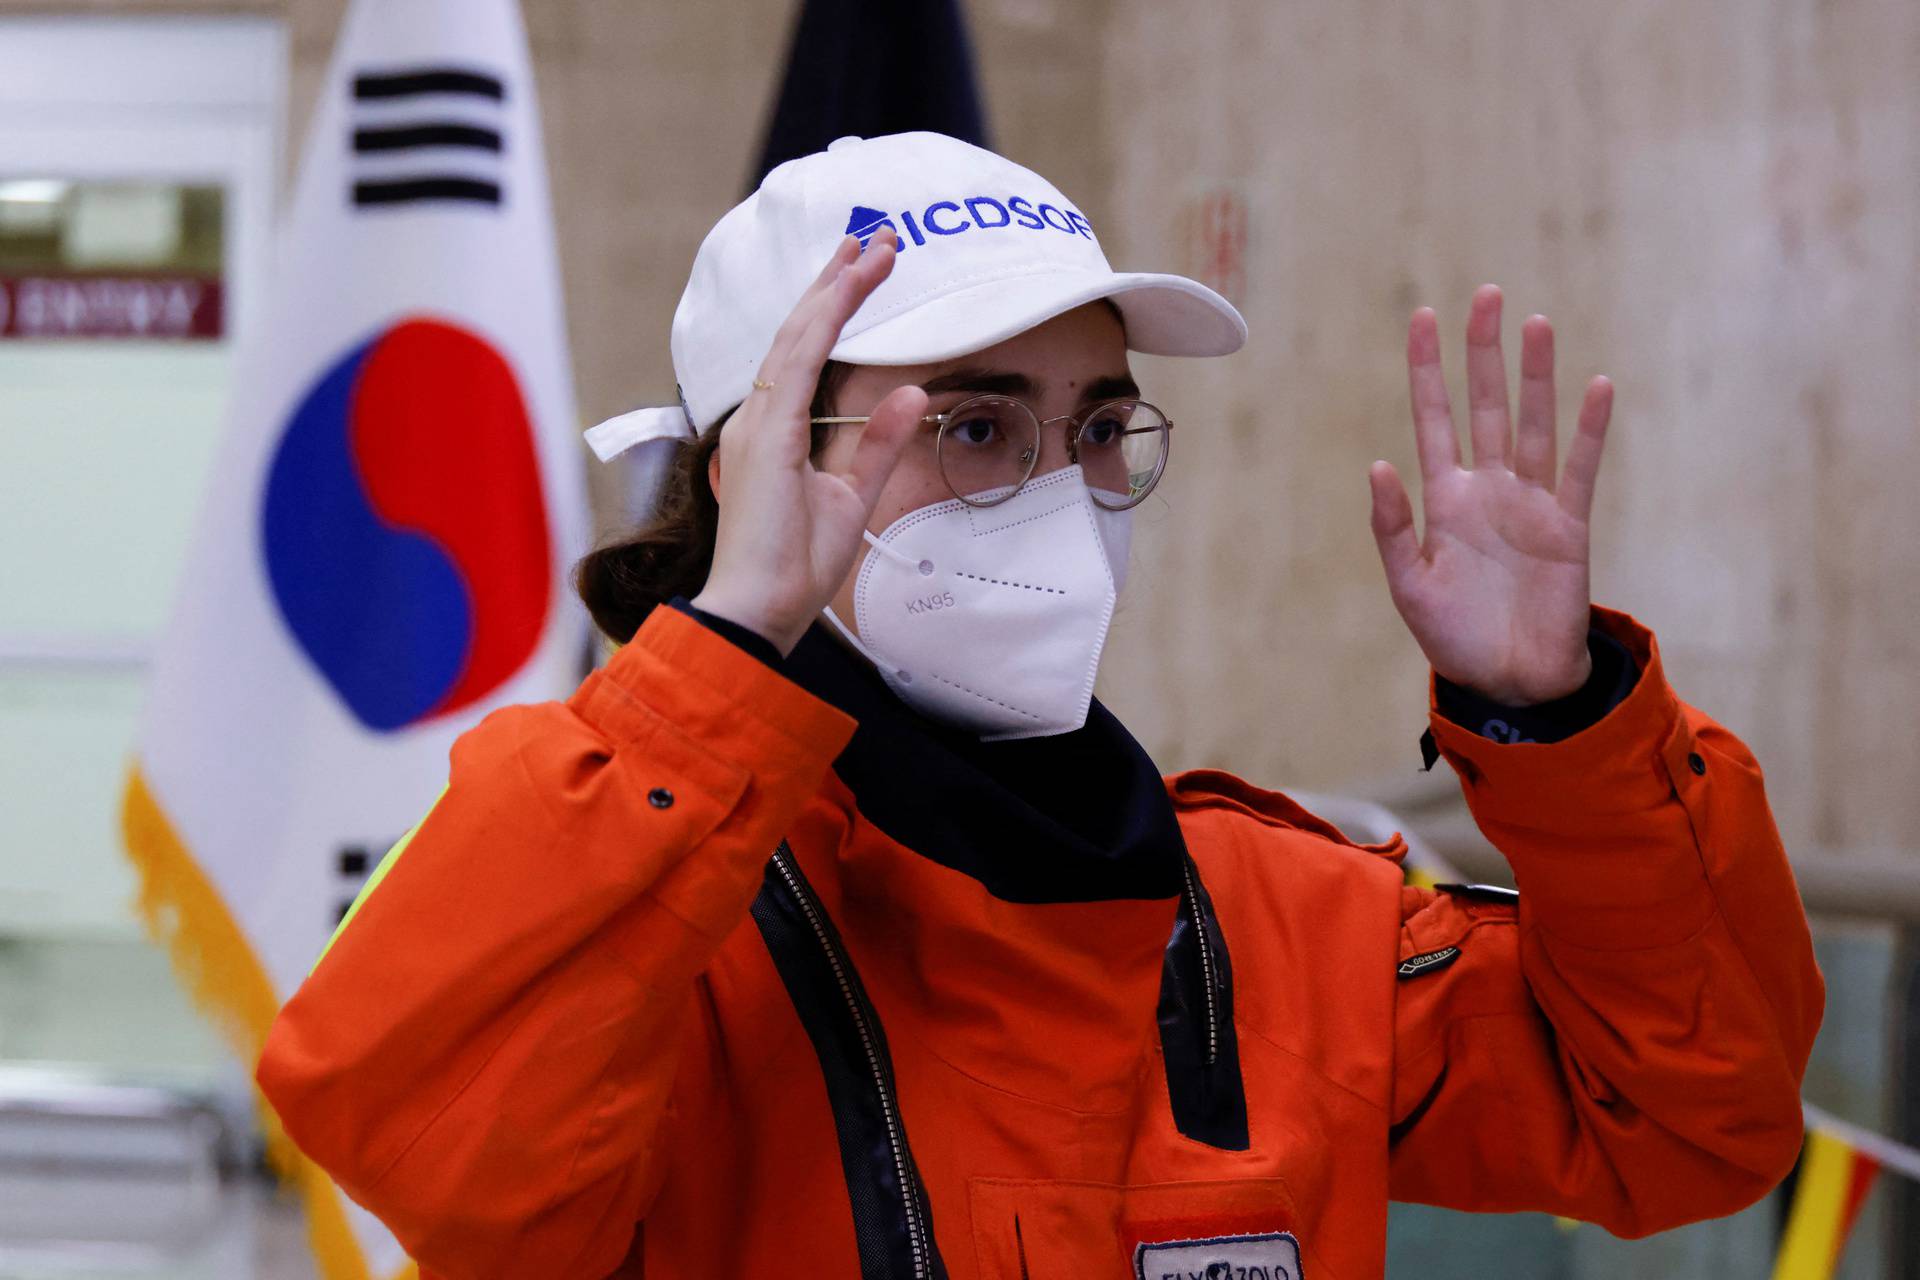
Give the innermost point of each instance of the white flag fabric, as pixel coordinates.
(382, 555)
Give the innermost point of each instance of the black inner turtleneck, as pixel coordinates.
(1071, 817)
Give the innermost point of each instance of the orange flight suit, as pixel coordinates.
(584, 1025)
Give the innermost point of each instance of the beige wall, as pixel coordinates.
(1718, 203)
(1720, 206)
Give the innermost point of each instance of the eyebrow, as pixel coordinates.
(984, 381)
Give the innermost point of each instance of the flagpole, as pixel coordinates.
(1883, 1151)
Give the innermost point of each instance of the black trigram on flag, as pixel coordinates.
(427, 134)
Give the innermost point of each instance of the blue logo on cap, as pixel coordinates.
(952, 217)
(864, 222)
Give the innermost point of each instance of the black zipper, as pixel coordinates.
(1197, 1040)
(867, 1023)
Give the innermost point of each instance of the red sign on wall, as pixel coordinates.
(1213, 226)
(111, 306)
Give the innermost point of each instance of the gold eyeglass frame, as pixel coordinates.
(1078, 422)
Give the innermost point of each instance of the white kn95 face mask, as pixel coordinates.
(992, 619)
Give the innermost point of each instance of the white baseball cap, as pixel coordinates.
(987, 250)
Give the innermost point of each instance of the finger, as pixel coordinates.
(802, 314)
(1488, 422)
(1432, 417)
(1393, 522)
(1534, 445)
(790, 397)
(777, 414)
(890, 428)
(1583, 454)
(800, 373)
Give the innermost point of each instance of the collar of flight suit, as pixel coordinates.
(1073, 817)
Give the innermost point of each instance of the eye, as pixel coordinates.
(1105, 429)
(975, 429)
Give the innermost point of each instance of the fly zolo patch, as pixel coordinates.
(1273, 1256)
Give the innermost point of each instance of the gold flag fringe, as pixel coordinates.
(185, 913)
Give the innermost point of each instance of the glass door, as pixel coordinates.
(138, 161)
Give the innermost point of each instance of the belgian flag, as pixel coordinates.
(1833, 1181)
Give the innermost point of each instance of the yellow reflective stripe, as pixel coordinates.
(373, 881)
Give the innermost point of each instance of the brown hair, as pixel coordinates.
(623, 581)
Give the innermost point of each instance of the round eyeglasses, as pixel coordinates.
(987, 447)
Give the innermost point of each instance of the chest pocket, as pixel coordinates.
(1231, 1229)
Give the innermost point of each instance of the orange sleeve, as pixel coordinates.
(483, 1056)
(1624, 1045)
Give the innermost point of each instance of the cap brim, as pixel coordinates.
(1164, 316)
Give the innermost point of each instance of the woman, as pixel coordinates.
(832, 929)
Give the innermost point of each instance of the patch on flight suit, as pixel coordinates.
(1274, 1256)
(1428, 962)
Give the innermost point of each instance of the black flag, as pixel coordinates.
(862, 68)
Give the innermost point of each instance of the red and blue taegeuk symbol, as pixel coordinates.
(404, 529)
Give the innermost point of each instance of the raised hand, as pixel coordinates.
(1496, 591)
(788, 532)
